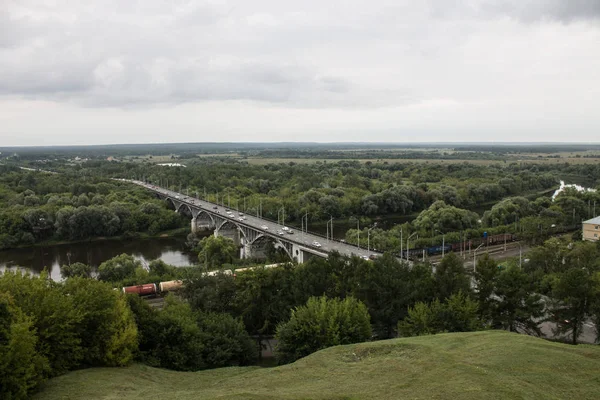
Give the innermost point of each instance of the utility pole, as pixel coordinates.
(407, 244)
(474, 255)
(443, 242)
(401, 243)
(520, 258)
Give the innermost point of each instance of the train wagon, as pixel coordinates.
(170, 286)
(141, 290)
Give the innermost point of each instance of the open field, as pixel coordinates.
(492, 365)
(275, 160)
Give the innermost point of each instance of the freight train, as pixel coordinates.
(467, 245)
(151, 289)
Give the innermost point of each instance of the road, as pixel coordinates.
(266, 226)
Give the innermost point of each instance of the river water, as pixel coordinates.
(171, 250)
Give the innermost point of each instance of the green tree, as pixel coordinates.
(446, 218)
(385, 290)
(517, 307)
(172, 338)
(216, 251)
(450, 277)
(118, 268)
(76, 269)
(457, 314)
(54, 317)
(226, 342)
(485, 284)
(322, 323)
(107, 328)
(214, 293)
(22, 368)
(264, 298)
(574, 292)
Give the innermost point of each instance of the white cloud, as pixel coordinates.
(273, 69)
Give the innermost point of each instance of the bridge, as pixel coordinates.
(252, 233)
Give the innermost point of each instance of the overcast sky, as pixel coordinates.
(126, 71)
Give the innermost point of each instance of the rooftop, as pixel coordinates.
(593, 221)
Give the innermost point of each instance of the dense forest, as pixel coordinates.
(80, 200)
(37, 207)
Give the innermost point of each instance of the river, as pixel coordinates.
(171, 250)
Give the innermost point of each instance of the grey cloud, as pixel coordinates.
(524, 10)
(562, 10)
(124, 82)
(115, 53)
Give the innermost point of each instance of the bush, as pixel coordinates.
(322, 323)
(457, 314)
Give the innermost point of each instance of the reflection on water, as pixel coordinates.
(171, 250)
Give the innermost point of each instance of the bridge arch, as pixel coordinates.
(170, 203)
(278, 243)
(203, 213)
(183, 206)
(233, 225)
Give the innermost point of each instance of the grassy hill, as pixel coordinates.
(481, 365)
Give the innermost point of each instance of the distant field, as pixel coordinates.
(481, 365)
(233, 155)
(152, 159)
(264, 161)
(526, 158)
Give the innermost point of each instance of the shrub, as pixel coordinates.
(322, 323)
(457, 314)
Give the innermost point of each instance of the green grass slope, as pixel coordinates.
(481, 365)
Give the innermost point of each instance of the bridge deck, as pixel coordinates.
(266, 226)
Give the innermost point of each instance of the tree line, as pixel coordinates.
(42, 207)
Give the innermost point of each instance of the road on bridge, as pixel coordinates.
(305, 239)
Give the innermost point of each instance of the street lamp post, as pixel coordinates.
(443, 242)
(407, 244)
(304, 224)
(357, 233)
(329, 224)
(369, 238)
(281, 212)
(475, 255)
(400, 243)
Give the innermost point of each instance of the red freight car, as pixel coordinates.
(141, 290)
